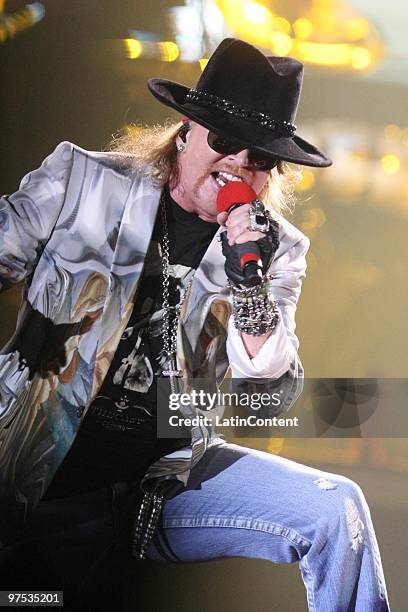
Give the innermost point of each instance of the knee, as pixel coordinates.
(341, 488)
(347, 510)
(351, 494)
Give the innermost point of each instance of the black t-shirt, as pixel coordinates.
(117, 439)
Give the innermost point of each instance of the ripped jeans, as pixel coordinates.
(238, 502)
(248, 503)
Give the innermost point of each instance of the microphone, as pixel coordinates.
(232, 195)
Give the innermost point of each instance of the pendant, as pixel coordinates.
(171, 372)
(170, 368)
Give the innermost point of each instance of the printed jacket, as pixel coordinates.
(77, 232)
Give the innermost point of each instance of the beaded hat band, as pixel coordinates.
(284, 128)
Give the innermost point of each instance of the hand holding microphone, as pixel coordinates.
(246, 262)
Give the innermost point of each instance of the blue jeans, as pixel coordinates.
(239, 502)
(265, 506)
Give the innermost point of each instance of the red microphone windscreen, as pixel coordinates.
(234, 192)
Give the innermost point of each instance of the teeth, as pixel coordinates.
(220, 181)
(229, 177)
(223, 178)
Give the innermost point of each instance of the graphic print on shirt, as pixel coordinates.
(136, 372)
(146, 358)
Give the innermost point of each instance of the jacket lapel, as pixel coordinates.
(209, 284)
(209, 277)
(132, 243)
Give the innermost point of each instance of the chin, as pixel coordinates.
(207, 210)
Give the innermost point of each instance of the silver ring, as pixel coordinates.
(258, 217)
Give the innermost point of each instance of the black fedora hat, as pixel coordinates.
(247, 97)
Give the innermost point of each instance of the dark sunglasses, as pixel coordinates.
(222, 145)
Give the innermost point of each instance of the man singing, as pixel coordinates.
(133, 275)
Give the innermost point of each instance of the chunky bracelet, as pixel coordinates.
(254, 309)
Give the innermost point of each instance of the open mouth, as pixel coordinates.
(222, 178)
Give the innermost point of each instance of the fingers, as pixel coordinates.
(237, 223)
(238, 214)
(222, 217)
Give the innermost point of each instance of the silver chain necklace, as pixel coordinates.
(169, 327)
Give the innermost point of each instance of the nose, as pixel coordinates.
(241, 158)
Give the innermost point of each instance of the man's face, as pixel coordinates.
(197, 186)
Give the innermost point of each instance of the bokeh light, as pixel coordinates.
(307, 181)
(303, 28)
(390, 164)
(134, 48)
(360, 58)
(169, 51)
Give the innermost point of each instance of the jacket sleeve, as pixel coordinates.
(277, 367)
(28, 216)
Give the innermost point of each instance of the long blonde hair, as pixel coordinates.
(152, 150)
